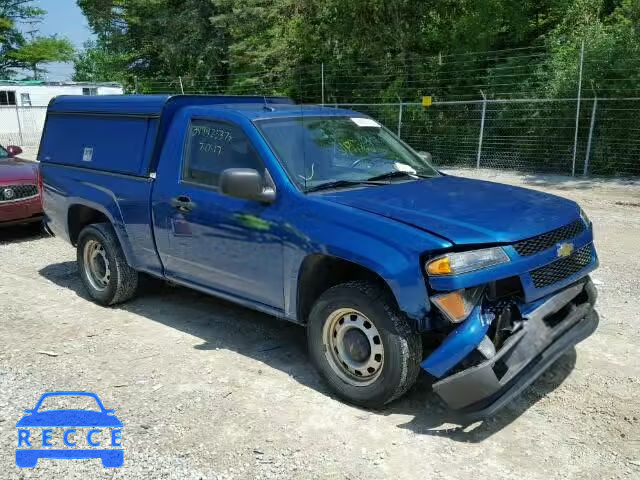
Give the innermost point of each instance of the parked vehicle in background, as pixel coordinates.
(20, 191)
(323, 217)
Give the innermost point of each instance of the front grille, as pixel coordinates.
(11, 193)
(547, 240)
(563, 268)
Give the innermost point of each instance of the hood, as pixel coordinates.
(462, 210)
(14, 169)
(69, 418)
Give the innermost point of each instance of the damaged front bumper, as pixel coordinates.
(548, 328)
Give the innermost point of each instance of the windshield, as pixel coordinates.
(3, 153)
(325, 150)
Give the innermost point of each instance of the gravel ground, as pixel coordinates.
(206, 389)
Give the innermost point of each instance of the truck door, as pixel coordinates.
(208, 239)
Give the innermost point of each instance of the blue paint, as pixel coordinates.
(460, 343)
(465, 211)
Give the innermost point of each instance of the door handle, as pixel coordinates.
(183, 203)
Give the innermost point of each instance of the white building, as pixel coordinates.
(23, 107)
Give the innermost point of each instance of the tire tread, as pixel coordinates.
(410, 343)
(127, 278)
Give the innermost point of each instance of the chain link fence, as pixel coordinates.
(22, 125)
(529, 135)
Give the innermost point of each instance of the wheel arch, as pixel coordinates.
(81, 214)
(319, 272)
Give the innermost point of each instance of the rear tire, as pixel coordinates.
(362, 345)
(103, 267)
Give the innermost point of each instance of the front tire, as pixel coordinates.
(362, 345)
(103, 267)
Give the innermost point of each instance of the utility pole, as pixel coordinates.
(399, 116)
(575, 138)
(484, 113)
(591, 126)
(322, 81)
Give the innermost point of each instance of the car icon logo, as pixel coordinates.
(68, 433)
(564, 250)
(8, 193)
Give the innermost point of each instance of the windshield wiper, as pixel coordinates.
(396, 174)
(343, 183)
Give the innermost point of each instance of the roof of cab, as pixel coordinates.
(150, 105)
(257, 111)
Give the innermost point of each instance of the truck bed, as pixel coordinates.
(124, 199)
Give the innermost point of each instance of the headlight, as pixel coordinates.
(585, 218)
(463, 262)
(458, 305)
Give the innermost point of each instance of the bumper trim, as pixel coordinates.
(23, 221)
(480, 391)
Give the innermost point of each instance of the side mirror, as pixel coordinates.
(29, 410)
(245, 183)
(13, 150)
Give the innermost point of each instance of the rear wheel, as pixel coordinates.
(103, 267)
(362, 345)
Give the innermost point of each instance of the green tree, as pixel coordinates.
(17, 52)
(95, 63)
(371, 49)
(155, 39)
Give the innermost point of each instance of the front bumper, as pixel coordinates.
(21, 211)
(551, 327)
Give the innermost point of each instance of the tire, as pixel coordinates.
(385, 379)
(119, 282)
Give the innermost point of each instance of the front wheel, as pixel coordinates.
(362, 345)
(103, 267)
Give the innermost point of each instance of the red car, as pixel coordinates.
(20, 189)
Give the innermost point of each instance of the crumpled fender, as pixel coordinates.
(458, 344)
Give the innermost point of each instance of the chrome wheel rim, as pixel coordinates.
(96, 265)
(353, 347)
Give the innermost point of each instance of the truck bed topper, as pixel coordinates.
(74, 124)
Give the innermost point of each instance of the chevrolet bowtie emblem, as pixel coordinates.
(564, 249)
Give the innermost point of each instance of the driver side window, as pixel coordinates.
(212, 147)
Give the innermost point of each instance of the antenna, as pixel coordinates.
(266, 106)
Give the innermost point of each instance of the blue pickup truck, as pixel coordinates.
(323, 217)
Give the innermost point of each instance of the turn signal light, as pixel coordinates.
(441, 266)
(458, 305)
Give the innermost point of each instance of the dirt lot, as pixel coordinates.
(206, 389)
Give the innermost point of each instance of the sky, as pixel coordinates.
(65, 19)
